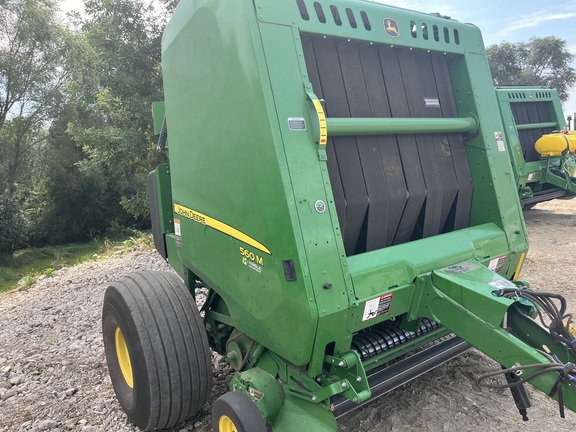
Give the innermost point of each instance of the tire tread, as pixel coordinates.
(174, 344)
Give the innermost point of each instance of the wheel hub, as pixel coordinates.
(225, 424)
(123, 357)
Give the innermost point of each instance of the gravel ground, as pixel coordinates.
(53, 374)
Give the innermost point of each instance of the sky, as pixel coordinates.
(510, 21)
(71, 5)
(499, 20)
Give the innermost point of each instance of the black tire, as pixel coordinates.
(238, 408)
(152, 328)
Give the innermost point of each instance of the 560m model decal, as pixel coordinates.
(219, 226)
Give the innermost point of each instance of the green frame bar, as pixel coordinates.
(529, 126)
(394, 126)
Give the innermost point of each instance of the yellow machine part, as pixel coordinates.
(556, 144)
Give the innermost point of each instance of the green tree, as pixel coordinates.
(12, 228)
(170, 5)
(116, 137)
(36, 59)
(75, 125)
(541, 61)
(66, 204)
(34, 69)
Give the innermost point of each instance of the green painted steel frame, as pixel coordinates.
(164, 198)
(280, 30)
(394, 126)
(541, 172)
(235, 160)
(158, 112)
(464, 302)
(220, 160)
(462, 38)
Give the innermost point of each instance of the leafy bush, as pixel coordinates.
(12, 227)
(27, 281)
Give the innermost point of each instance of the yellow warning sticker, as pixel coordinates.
(321, 122)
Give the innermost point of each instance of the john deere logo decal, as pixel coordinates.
(391, 27)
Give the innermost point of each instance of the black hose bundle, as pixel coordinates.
(566, 373)
(543, 368)
(553, 316)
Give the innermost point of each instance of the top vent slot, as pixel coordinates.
(335, 12)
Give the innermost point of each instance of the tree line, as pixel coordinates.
(76, 141)
(75, 135)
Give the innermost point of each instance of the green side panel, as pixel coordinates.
(377, 23)
(228, 164)
(528, 113)
(310, 183)
(164, 198)
(158, 112)
(495, 193)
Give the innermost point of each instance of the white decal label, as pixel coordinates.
(377, 306)
(497, 264)
(296, 123)
(177, 232)
(500, 141)
(461, 268)
(502, 283)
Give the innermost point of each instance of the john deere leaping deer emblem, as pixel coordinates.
(391, 27)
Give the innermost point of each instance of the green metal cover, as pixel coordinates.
(252, 191)
(158, 112)
(528, 113)
(335, 166)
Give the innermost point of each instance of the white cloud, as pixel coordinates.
(418, 6)
(406, 4)
(71, 5)
(534, 20)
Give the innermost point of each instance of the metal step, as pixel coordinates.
(385, 380)
(547, 196)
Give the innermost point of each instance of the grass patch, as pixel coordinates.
(23, 268)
